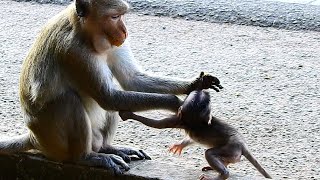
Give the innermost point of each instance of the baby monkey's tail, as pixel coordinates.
(254, 162)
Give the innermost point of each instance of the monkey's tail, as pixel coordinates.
(254, 162)
(16, 144)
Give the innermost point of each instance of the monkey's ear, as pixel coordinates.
(82, 8)
(179, 114)
(210, 120)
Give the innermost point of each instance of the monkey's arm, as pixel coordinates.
(131, 77)
(91, 76)
(178, 147)
(170, 122)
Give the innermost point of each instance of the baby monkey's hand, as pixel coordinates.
(125, 115)
(176, 149)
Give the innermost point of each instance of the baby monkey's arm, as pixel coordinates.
(170, 122)
(178, 147)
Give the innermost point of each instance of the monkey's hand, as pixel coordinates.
(125, 115)
(177, 148)
(205, 81)
(212, 82)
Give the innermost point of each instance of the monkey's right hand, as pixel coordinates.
(125, 115)
(205, 81)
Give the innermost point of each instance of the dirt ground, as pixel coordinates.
(271, 79)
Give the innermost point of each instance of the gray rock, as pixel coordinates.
(245, 12)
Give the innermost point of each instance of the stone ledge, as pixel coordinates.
(26, 166)
(32, 166)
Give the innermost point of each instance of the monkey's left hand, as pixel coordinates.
(205, 81)
(176, 149)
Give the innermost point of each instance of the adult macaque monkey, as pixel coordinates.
(225, 144)
(68, 97)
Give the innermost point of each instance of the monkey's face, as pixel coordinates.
(105, 17)
(110, 15)
(115, 29)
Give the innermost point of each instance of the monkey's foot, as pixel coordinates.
(127, 154)
(207, 168)
(108, 161)
(176, 148)
(206, 177)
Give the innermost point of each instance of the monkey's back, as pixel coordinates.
(218, 133)
(41, 78)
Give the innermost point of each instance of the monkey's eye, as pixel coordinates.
(115, 17)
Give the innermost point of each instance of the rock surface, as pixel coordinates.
(28, 166)
(244, 12)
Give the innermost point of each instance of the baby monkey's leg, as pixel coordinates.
(219, 158)
(178, 147)
(213, 156)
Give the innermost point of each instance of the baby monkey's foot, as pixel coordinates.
(207, 168)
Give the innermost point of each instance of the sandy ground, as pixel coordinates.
(271, 79)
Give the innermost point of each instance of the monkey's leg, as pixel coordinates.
(112, 119)
(213, 157)
(219, 158)
(62, 131)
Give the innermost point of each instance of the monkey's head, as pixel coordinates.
(196, 109)
(104, 17)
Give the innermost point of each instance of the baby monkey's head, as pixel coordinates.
(196, 109)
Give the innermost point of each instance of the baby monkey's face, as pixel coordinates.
(196, 108)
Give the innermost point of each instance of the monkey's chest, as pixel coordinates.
(96, 114)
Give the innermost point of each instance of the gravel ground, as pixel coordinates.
(271, 79)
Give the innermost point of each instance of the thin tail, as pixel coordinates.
(255, 163)
(16, 144)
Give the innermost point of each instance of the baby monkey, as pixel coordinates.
(225, 144)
